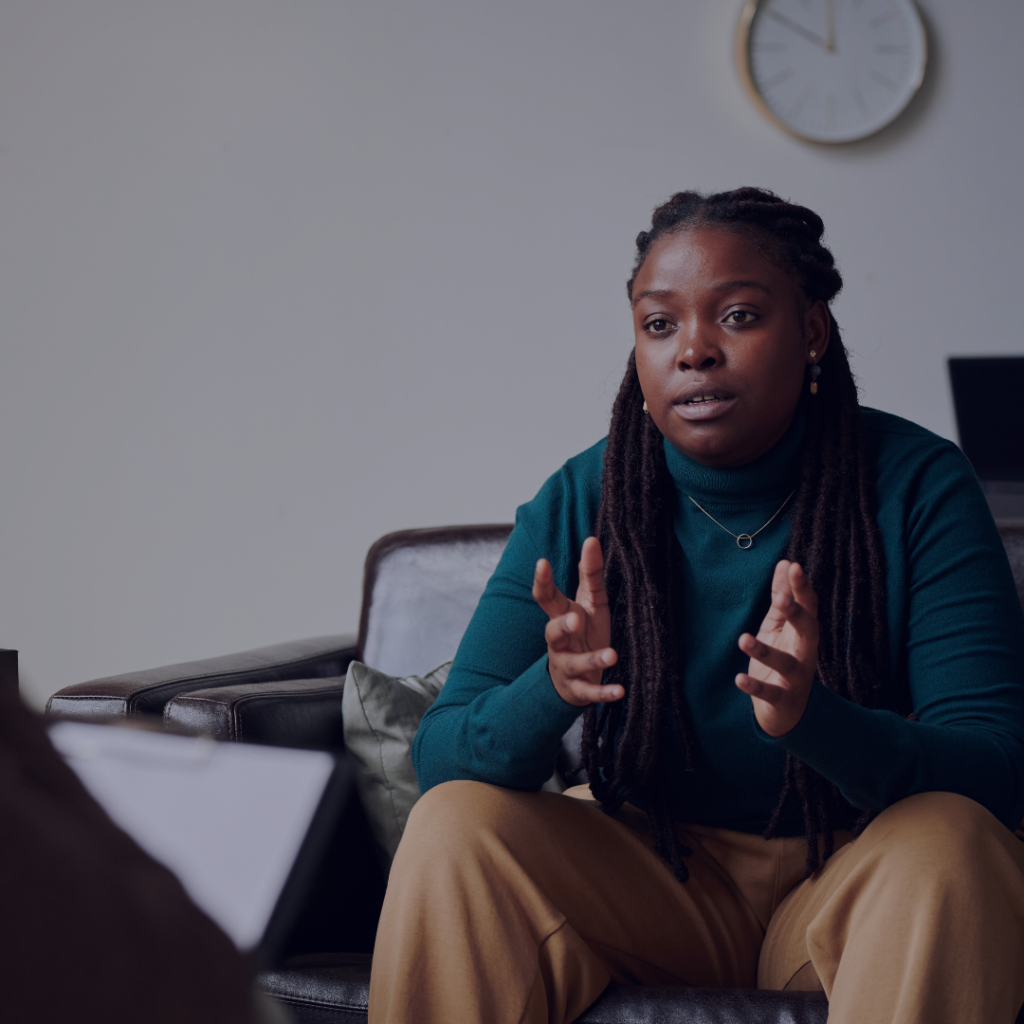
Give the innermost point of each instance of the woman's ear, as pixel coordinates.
(817, 329)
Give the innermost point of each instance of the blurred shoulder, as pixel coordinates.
(579, 478)
(895, 441)
(584, 470)
(564, 512)
(887, 424)
(923, 481)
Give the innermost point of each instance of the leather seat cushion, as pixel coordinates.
(334, 989)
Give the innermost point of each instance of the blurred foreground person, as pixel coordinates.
(91, 927)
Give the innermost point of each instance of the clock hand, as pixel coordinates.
(830, 23)
(798, 28)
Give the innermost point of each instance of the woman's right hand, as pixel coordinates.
(579, 631)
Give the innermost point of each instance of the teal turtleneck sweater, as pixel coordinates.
(955, 627)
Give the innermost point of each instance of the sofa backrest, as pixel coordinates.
(420, 589)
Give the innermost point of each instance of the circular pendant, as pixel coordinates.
(745, 541)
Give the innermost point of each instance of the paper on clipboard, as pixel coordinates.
(228, 819)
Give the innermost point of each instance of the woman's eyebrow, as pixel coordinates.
(658, 293)
(723, 286)
(726, 286)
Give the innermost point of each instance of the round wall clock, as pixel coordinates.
(832, 70)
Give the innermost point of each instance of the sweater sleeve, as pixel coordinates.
(499, 718)
(963, 655)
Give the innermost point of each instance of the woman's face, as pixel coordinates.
(722, 344)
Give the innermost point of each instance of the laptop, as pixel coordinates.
(242, 826)
(988, 395)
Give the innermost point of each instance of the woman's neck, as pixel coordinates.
(774, 474)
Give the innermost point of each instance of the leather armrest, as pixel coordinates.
(292, 713)
(147, 692)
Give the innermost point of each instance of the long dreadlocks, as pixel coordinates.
(834, 536)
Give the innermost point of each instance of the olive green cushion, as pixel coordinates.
(381, 716)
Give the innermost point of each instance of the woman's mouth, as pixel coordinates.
(704, 405)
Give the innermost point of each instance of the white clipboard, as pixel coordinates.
(241, 826)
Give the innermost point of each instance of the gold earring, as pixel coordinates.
(815, 371)
(645, 406)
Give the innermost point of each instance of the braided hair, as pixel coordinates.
(834, 535)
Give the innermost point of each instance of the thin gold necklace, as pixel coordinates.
(744, 541)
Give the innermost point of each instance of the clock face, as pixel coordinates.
(832, 70)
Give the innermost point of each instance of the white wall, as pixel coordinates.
(279, 276)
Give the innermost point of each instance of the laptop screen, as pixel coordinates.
(230, 820)
(988, 394)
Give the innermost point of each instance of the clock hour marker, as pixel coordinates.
(861, 105)
(798, 104)
(887, 82)
(777, 79)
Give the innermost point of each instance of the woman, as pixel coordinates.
(852, 833)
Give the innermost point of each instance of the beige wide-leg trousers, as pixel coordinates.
(519, 908)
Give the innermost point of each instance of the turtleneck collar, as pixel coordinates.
(771, 476)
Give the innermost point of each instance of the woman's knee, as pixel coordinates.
(460, 815)
(941, 813)
(447, 808)
(949, 832)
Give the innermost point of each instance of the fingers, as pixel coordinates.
(768, 692)
(793, 599)
(570, 672)
(594, 693)
(802, 589)
(575, 666)
(782, 597)
(591, 592)
(560, 629)
(785, 664)
(779, 680)
(545, 593)
(569, 668)
(573, 626)
(564, 633)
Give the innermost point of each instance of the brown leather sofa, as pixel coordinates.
(419, 591)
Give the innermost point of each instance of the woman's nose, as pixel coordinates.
(697, 351)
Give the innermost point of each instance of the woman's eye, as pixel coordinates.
(739, 316)
(659, 325)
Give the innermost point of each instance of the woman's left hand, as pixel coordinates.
(784, 654)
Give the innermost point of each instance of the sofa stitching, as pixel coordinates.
(235, 730)
(196, 696)
(312, 1001)
(294, 694)
(315, 659)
